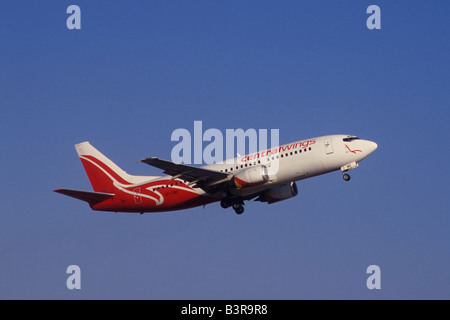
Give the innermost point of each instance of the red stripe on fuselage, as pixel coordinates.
(174, 198)
(352, 151)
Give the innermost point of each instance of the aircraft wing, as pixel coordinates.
(197, 177)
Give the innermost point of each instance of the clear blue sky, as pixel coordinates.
(137, 71)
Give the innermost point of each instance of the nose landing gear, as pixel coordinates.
(348, 167)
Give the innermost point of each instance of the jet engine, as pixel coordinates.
(251, 177)
(279, 193)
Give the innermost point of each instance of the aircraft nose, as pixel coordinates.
(371, 146)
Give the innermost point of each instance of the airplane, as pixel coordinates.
(267, 176)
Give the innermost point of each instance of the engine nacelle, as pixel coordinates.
(251, 177)
(281, 193)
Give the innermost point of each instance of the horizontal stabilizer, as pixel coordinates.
(88, 196)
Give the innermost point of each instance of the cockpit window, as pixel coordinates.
(349, 139)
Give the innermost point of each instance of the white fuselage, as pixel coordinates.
(300, 160)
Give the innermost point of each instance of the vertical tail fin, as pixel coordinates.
(102, 172)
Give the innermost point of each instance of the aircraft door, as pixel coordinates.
(328, 145)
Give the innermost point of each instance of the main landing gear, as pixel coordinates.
(346, 177)
(238, 206)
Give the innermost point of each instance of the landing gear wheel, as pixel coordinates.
(346, 177)
(225, 204)
(238, 208)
